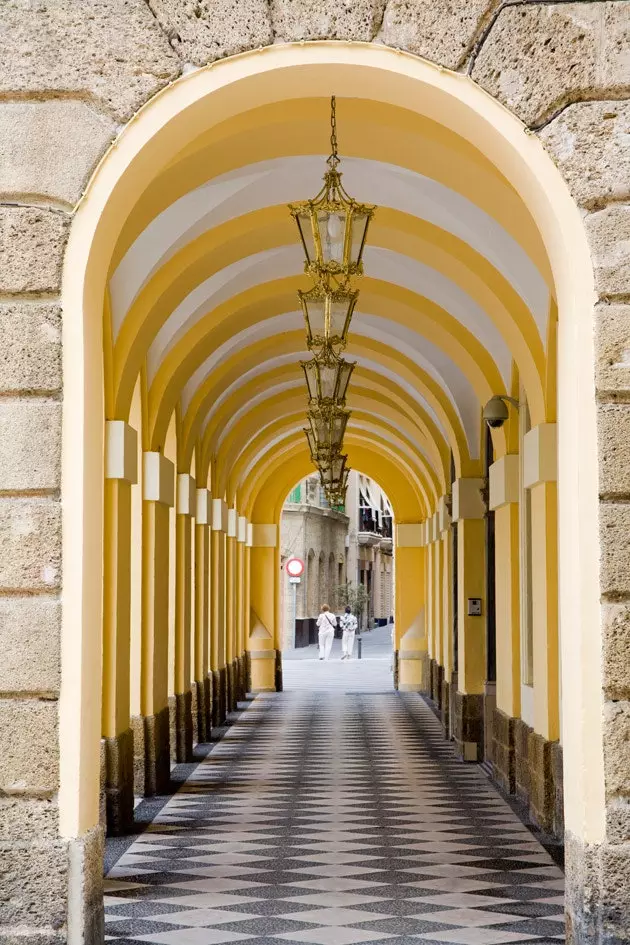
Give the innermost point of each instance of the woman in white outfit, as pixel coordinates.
(348, 625)
(326, 623)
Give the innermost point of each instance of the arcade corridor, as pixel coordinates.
(334, 818)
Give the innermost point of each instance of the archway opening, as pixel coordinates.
(183, 250)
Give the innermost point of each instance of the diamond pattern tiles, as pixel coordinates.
(335, 819)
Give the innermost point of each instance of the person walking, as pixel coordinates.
(326, 623)
(349, 626)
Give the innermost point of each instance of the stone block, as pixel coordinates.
(608, 233)
(441, 32)
(468, 729)
(117, 56)
(614, 531)
(617, 749)
(30, 355)
(295, 20)
(119, 754)
(32, 242)
(152, 762)
(521, 760)
(589, 144)
(557, 777)
(541, 786)
(34, 883)
(30, 629)
(30, 542)
(618, 821)
(29, 819)
(181, 727)
(212, 29)
(30, 445)
(616, 646)
(85, 908)
(49, 149)
(29, 750)
(612, 349)
(597, 892)
(538, 58)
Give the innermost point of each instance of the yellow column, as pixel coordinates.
(539, 473)
(158, 483)
(121, 473)
(201, 656)
(247, 601)
(468, 512)
(438, 593)
(230, 607)
(430, 580)
(504, 496)
(181, 751)
(240, 603)
(263, 577)
(468, 714)
(410, 618)
(217, 605)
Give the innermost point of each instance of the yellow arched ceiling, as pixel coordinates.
(203, 280)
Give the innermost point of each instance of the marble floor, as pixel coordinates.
(333, 816)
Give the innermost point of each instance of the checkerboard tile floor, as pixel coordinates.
(335, 819)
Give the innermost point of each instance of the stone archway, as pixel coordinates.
(37, 231)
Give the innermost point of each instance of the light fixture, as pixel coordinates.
(334, 476)
(327, 427)
(333, 226)
(327, 379)
(328, 311)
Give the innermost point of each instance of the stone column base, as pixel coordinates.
(223, 694)
(216, 698)
(522, 732)
(436, 675)
(181, 726)
(468, 726)
(395, 670)
(85, 889)
(489, 705)
(597, 891)
(119, 783)
(278, 674)
(199, 712)
(445, 707)
(242, 677)
(414, 671)
(152, 756)
(229, 688)
(503, 760)
(207, 687)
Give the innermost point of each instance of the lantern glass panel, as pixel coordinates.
(332, 232)
(359, 225)
(339, 316)
(328, 378)
(345, 371)
(305, 225)
(310, 372)
(316, 317)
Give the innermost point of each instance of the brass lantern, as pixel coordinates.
(333, 226)
(328, 426)
(327, 379)
(334, 474)
(328, 311)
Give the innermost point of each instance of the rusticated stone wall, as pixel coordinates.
(72, 73)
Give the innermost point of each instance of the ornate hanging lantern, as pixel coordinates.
(327, 427)
(334, 476)
(327, 379)
(328, 311)
(333, 226)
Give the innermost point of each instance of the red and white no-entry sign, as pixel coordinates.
(295, 567)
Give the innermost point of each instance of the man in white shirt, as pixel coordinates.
(349, 625)
(326, 623)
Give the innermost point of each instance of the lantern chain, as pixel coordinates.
(333, 160)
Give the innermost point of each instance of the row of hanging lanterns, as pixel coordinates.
(333, 228)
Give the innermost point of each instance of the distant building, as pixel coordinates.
(354, 545)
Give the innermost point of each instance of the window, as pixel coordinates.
(296, 494)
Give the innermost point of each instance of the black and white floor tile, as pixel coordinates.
(333, 818)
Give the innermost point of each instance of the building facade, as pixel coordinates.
(148, 279)
(353, 545)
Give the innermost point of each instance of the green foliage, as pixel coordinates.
(353, 596)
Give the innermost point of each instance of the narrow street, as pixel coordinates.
(333, 818)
